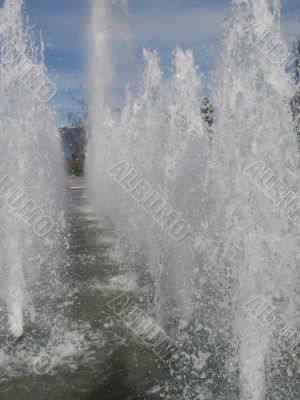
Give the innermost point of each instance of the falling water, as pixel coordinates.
(32, 178)
(152, 164)
(254, 126)
(156, 132)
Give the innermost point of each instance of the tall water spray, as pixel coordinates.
(32, 177)
(159, 134)
(254, 148)
(152, 168)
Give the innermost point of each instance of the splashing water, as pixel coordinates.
(32, 178)
(154, 133)
(152, 162)
(254, 125)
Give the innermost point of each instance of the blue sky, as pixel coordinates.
(159, 24)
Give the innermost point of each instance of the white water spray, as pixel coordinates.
(32, 177)
(239, 245)
(254, 124)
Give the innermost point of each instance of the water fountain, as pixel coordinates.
(32, 179)
(206, 226)
(254, 125)
(161, 140)
(152, 162)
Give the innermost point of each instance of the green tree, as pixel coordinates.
(295, 102)
(74, 137)
(207, 112)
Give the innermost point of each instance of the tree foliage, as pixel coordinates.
(295, 102)
(74, 137)
(207, 112)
